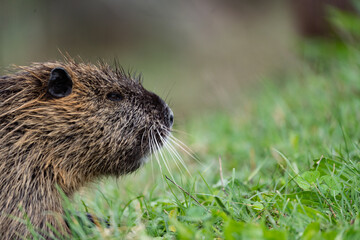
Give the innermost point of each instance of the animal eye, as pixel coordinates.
(114, 96)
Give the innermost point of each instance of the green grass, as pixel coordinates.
(290, 166)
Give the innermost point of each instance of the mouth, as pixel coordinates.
(144, 159)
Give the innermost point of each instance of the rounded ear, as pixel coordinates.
(60, 83)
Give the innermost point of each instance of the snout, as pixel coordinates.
(170, 117)
(160, 107)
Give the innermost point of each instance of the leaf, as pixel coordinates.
(257, 206)
(307, 180)
(195, 214)
(331, 183)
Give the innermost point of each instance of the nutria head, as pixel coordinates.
(81, 120)
(65, 124)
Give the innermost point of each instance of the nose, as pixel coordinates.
(170, 118)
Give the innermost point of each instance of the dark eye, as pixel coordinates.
(114, 96)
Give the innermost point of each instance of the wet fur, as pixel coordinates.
(70, 141)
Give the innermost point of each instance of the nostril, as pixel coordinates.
(171, 117)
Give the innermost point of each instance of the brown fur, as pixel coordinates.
(69, 141)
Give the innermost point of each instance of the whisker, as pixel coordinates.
(182, 144)
(154, 150)
(186, 151)
(178, 158)
(168, 147)
(164, 159)
(151, 157)
(158, 152)
(179, 131)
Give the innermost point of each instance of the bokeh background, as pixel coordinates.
(200, 54)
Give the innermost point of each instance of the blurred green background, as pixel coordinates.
(202, 54)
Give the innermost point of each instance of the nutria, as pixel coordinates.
(65, 124)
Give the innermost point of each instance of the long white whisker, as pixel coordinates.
(154, 150)
(177, 156)
(157, 152)
(191, 155)
(151, 158)
(183, 145)
(181, 132)
(164, 159)
(167, 147)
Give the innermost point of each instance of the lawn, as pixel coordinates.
(281, 164)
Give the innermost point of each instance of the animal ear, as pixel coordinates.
(60, 83)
